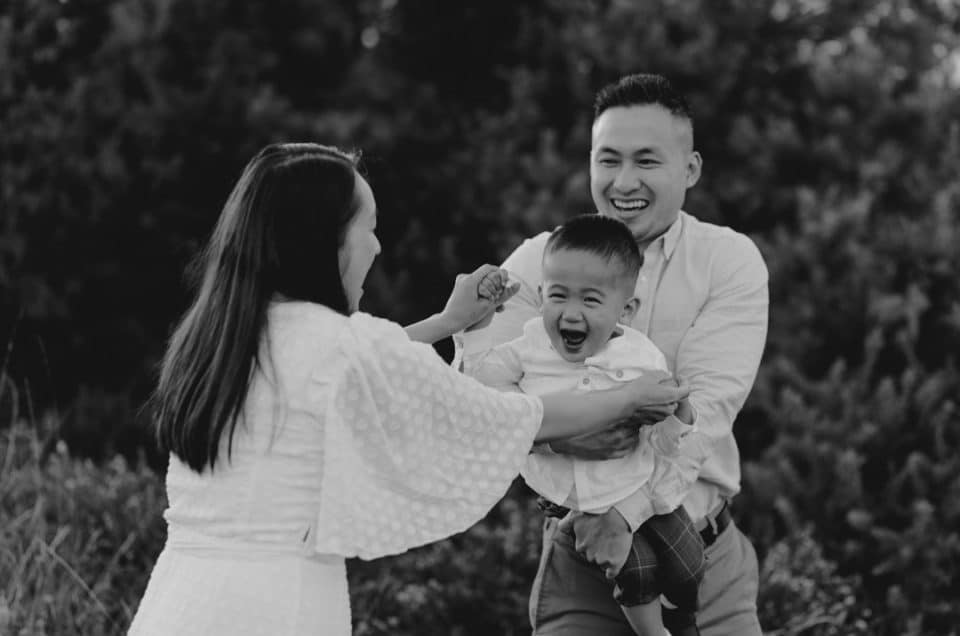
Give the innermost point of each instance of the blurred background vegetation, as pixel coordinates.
(831, 135)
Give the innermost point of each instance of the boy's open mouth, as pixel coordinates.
(572, 338)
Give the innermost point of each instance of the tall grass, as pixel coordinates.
(78, 541)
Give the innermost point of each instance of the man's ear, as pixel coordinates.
(629, 310)
(694, 166)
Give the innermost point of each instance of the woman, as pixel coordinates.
(302, 431)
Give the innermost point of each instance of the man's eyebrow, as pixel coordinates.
(639, 151)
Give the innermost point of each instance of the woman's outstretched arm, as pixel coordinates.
(575, 413)
(473, 300)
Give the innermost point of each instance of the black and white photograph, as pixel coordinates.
(466, 318)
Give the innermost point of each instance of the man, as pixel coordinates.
(703, 302)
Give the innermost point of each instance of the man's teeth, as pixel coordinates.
(631, 204)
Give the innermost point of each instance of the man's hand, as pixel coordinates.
(610, 443)
(622, 438)
(603, 539)
(650, 415)
(659, 394)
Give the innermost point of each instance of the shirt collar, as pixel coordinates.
(621, 352)
(669, 239)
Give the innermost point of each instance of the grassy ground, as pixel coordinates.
(77, 542)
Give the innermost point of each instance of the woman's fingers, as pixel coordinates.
(492, 281)
(490, 288)
(507, 293)
(650, 391)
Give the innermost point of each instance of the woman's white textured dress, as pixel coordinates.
(354, 441)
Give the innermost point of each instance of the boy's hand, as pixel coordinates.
(603, 539)
(491, 285)
(496, 288)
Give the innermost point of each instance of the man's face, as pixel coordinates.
(583, 299)
(641, 163)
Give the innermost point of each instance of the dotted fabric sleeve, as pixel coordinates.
(413, 451)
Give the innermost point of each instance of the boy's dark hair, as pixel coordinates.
(600, 235)
(642, 89)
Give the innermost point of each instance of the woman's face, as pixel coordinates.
(360, 245)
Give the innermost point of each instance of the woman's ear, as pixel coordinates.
(629, 310)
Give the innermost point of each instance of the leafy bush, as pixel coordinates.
(76, 540)
(829, 133)
(800, 593)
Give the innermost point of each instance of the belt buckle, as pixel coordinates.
(711, 531)
(709, 534)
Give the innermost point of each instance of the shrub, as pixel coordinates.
(76, 540)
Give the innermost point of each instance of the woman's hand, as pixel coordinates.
(654, 397)
(472, 302)
(476, 296)
(658, 392)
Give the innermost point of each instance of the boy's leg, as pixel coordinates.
(638, 588)
(571, 596)
(645, 619)
(680, 553)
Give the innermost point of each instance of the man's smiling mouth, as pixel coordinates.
(630, 205)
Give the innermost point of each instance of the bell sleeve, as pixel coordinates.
(414, 451)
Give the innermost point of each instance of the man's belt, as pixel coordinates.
(713, 525)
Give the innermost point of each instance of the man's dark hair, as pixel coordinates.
(604, 236)
(642, 89)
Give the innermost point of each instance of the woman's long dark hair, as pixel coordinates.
(278, 234)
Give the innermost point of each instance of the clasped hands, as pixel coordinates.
(477, 296)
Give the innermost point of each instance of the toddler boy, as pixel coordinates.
(590, 268)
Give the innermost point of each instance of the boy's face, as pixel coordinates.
(584, 297)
